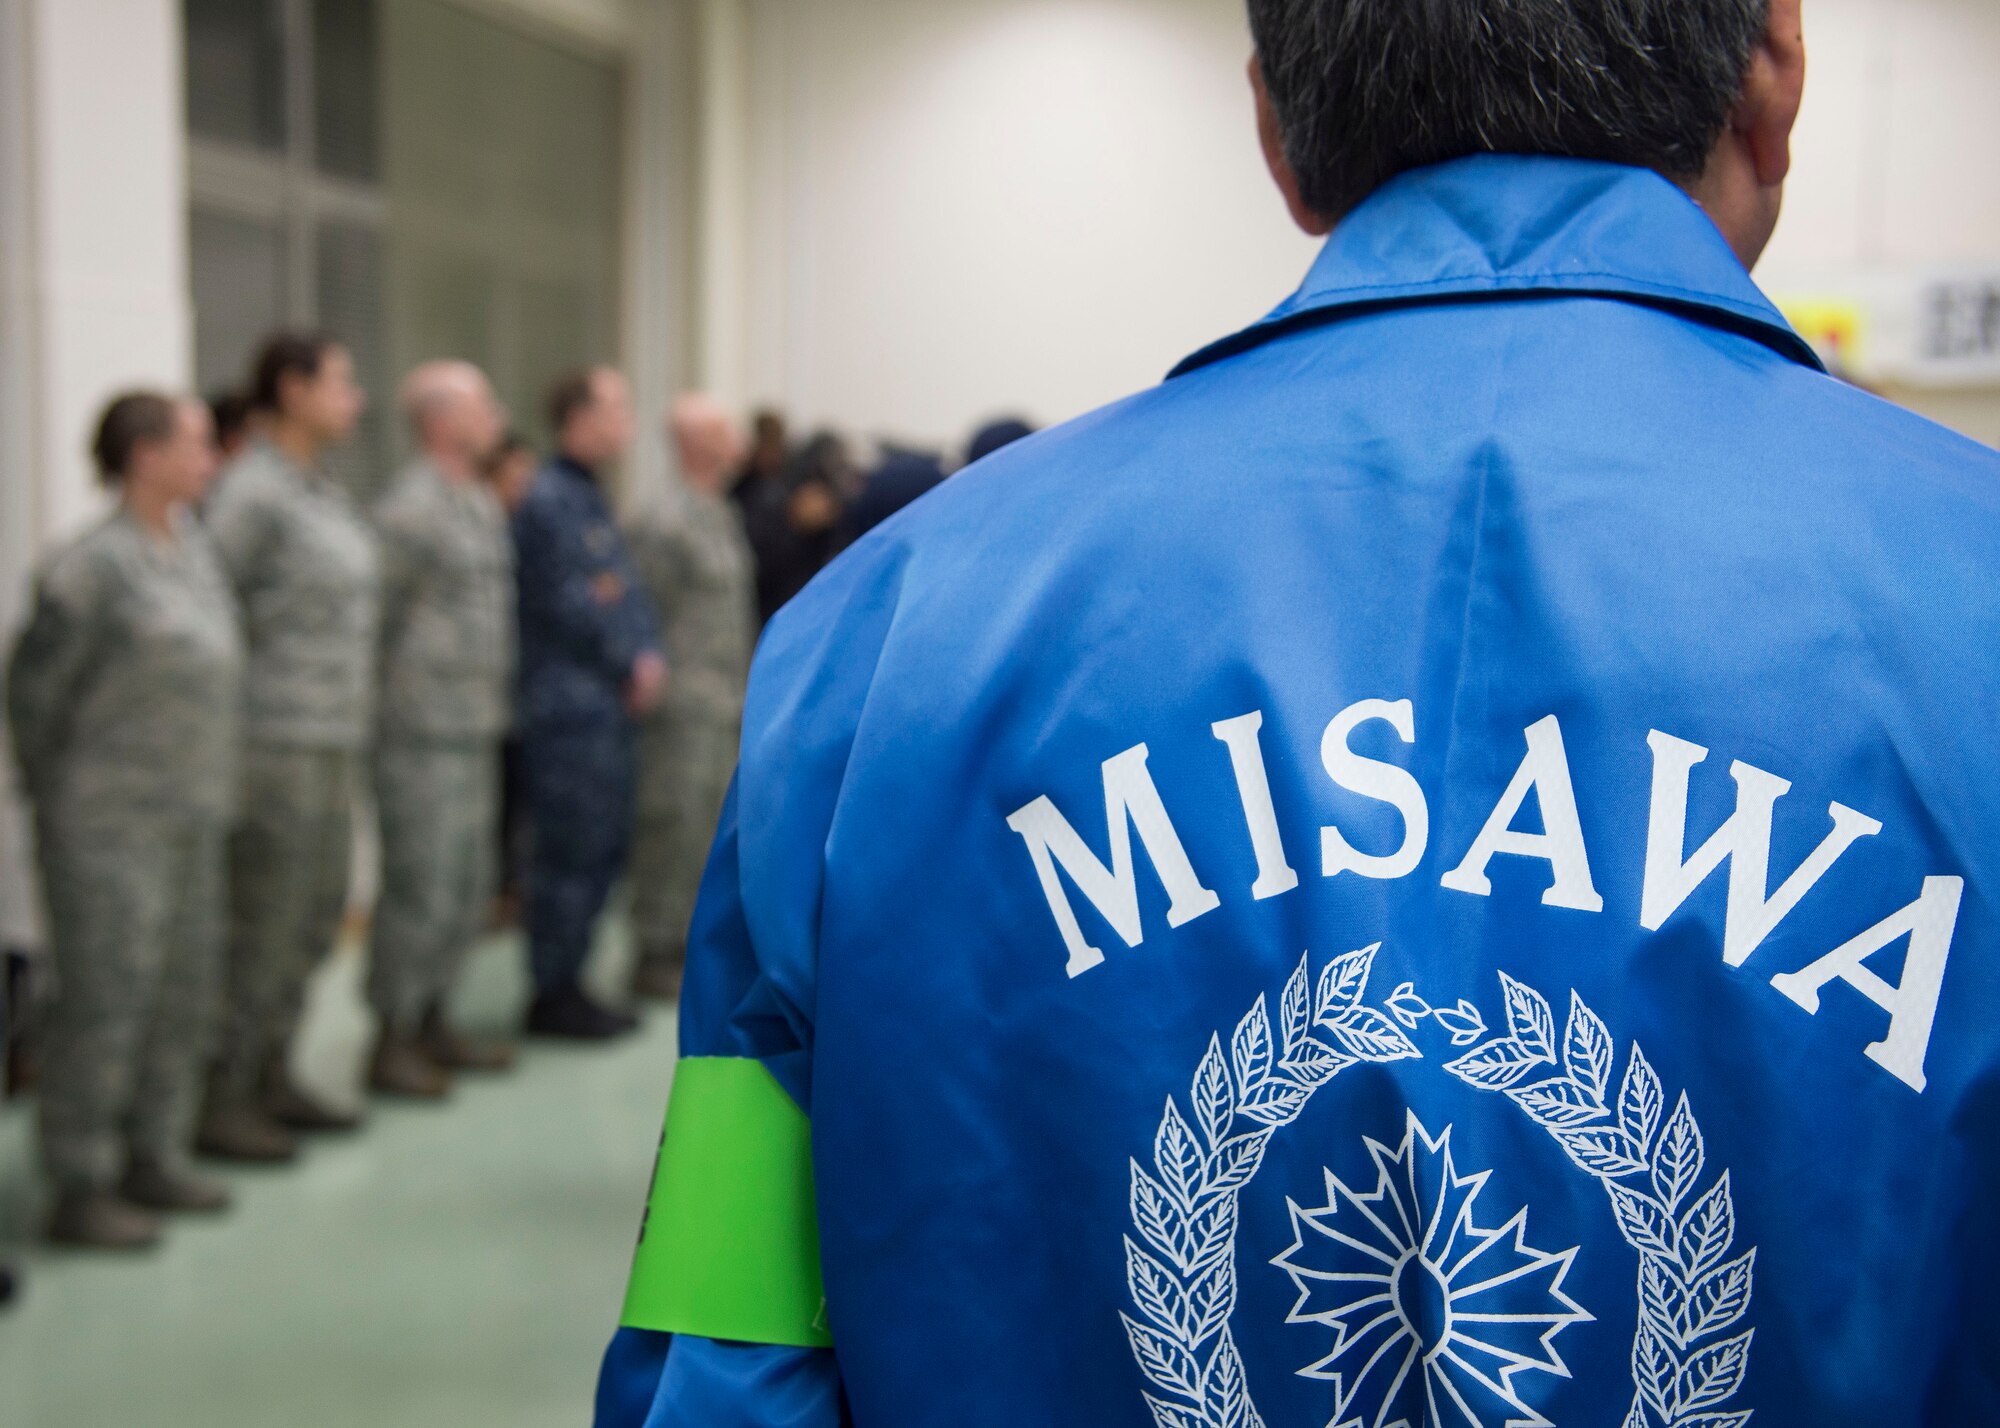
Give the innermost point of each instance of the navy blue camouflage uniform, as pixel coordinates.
(585, 619)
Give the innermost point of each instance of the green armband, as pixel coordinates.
(729, 1248)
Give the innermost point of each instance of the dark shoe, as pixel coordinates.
(10, 1284)
(155, 1186)
(286, 1104)
(570, 1015)
(657, 978)
(403, 1068)
(457, 1052)
(98, 1219)
(240, 1130)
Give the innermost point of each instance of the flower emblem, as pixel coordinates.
(1434, 1316)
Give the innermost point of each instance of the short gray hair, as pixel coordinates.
(1365, 89)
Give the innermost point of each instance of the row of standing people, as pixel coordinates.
(197, 698)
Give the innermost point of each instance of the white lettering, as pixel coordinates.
(1383, 782)
(1912, 1005)
(1546, 771)
(1745, 840)
(1253, 787)
(1130, 801)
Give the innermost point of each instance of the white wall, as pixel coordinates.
(93, 277)
(1896, 184)
(949, 207)
(1894, 159)
(958, 208)
(102, 197)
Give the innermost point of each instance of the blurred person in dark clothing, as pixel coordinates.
(232, 414)
(898, 479)
(994, 435)
(10, 1278)
(591, 667)
(793, 520)
(510, 470)
(770, 450)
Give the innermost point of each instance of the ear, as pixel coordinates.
(1773, 89)
(1271, 134)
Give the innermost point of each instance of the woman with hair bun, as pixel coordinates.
(305, 568)
(124, 696)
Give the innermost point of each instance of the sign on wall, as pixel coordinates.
(1936, 328)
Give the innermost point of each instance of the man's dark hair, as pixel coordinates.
(131, 418)
(286, 354)
(569, 394)
(510, 445)
(1365, 89)
(231, 413)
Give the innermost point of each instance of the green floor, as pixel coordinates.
(454, 1265)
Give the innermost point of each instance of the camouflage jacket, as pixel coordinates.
(305, 567)
(696, 562)
(124, 693)
(447, 641)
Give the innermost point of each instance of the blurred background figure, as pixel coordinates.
(764, 465)
(124, 696)
(304, 565)
(898, 479)
(591, 666)
(698, 567)
(230, 412)
(447, 667)
(510, 470)
(793, 518)
(991, 437)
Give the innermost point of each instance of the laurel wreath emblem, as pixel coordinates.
(1691, 1292)
(1183, 1278)
(1181, 1270)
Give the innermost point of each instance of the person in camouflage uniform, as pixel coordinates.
(304, 565)
(447, 664)
(694, 558)
(124, 697)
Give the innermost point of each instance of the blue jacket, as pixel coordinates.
(584, 614)
(1452, 885)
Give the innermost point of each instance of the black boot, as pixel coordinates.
(235, 1127)
(569, 1014)
(455, 1051)
(288, 1105)
(98, 1219)
(154, 1184)
(657, 978)
(403, 1067)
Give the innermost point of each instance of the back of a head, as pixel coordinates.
(1367, 89)
(569, 395)
(230, 411)
(129, 420)
(433, 389)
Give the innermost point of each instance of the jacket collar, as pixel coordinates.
(568, 465)
(1498, 225)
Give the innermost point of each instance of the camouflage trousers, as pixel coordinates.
(289, 861)
(686, 759)
(135, 923)
(437, 806)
